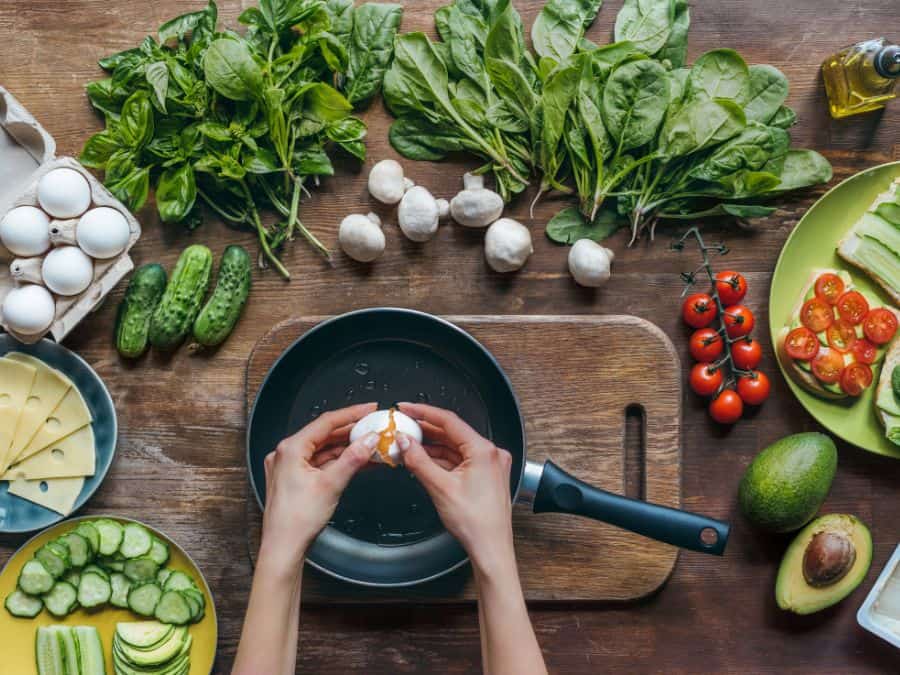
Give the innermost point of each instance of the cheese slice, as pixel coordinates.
(69, 416)
(16, 380)
(73, 456)
(48, 390)
(56, 494)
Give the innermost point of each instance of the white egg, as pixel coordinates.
(64, 193)
(29, 310)
(103, 232)
(25, 231)
(380, 422)
(67, 270)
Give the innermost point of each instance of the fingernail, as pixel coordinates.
(371, 440)
(403, 441)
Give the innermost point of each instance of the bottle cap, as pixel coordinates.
(887, 61)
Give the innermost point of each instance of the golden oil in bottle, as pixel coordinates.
(862, 77)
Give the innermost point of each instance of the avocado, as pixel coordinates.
(824, 564)
(787, 482)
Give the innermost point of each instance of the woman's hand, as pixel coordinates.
(305, 477)
(467, 477)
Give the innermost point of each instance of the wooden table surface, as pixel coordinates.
(180, 463)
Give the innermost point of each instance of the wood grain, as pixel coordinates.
(582, 429)
(180, 463)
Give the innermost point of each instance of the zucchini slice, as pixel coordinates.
(61, 599)
(23, 605)
(34, 578)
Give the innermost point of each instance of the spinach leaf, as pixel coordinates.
(803, 168)
(556, 99)
(560, 25)
(176, 193)
(751, 149)
(230, 69)
(646, 23)
(783, 118)
(722, 74)
(635, 100)
(340, 13)
(419, 139)
(371, 49)
(768, 91)
(570, 225)
(698, 125)
(675, 49)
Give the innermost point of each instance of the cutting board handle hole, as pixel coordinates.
(635, 423)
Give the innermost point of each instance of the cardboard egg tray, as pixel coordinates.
(27, 152)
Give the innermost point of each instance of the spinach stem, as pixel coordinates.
(263, 235)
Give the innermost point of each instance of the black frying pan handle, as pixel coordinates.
(559, 492)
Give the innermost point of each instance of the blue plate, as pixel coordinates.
(20, 515)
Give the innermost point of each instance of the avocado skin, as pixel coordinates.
(787, 482)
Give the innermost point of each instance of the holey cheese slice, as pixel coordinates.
(56, 494)
(16, 380)
(69, 416)
(70, 457)
(49, 388)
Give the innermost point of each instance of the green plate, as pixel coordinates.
(812, 245)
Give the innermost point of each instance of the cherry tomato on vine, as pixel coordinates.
(841, 335)
(817, 315)
(801, 344)
(739, 321)
(828, 366)
(746, 354)
(753, 388)
(829, 287)
(853, 306)
(704, 380)
(864, 351)
(732, 287)
(727, 407)
(856, 378)
(706, 345)
(698, 310)
(880, 325)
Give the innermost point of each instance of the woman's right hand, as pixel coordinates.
(467, 477)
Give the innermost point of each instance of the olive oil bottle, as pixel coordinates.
(861, 77)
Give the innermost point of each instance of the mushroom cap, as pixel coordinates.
(507, 245)
(589, 263)
(386, 182)
(361, 238)
(477, 207)
(418, 214)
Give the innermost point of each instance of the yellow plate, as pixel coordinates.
(17, 653)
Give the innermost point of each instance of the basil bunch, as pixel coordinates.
(241, 123)
(626, 128)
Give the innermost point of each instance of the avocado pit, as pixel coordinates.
(828, 558)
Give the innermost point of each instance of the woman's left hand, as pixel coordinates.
(305, 477)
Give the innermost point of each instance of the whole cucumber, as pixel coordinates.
(218, 317)
(144, 292)
(181, 302)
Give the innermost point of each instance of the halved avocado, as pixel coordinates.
(824, 564)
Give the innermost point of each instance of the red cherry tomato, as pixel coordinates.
(746, 354)
(829, 288)
(853, 307)
(727, 407)
(739, 321)
(828, 366)
(817, 315)
(698, 310)
(754, 388)
(801, 344)
(732, 287)
(841, 335)
(705, 381)
(865, 352)
(880, 325)
(706, 345)
(856, 378)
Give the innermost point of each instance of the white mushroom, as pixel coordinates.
(361, 237)
(507, 245)
(419, 214)
(386, 181)
(589, 263)
(443, 208)
(476, 206)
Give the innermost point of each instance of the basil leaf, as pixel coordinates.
(313, 162)
(136, 123)
(98, 149)
(132, 188)
(176, 193)
(157, 75)
(197, 23)
(230, 69)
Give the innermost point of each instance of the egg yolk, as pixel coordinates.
(386, 439)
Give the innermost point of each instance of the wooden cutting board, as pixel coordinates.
(581, 381)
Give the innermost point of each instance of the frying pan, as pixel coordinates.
(385, 531)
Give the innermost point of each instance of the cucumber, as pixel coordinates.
(180, 304)
(136, 541)
(91, 660)
(222, 311)
(143, 598)
(34, 578)
(79, 549)
(93, 590)
(179, 581)
(66, 638)
(162, 576)
(23, 605)
(143, 634)
(159, 552)
(120, 588)
(141, 569)
(49, 651)
(110, 536)
(89, 532)
(52, 561)
(61, 599)
(96, 569)
(173, 608)
(73, 577)
(133, 319)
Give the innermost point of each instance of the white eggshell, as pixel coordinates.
(64, 193)
(378, 422)
(29, 310)
(102, 232)
(25, 231)
(67, 270)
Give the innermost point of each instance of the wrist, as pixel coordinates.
(494, 561)
(280, 560)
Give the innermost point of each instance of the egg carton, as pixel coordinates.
(27, 153)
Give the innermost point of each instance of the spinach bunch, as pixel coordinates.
(241, 123)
